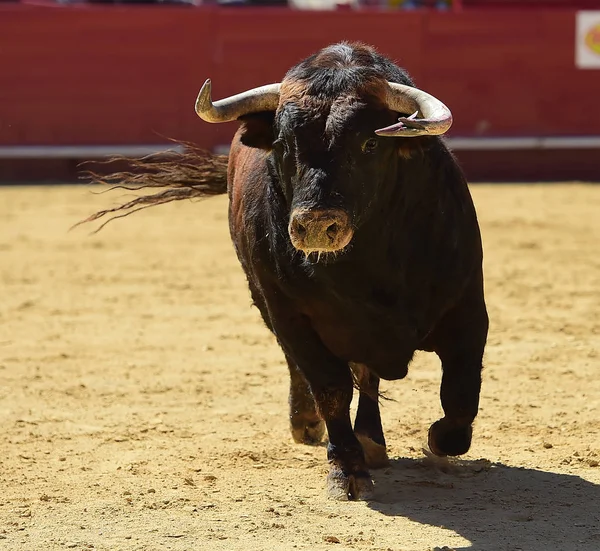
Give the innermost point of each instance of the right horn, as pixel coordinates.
(436, 117)
(263, 98)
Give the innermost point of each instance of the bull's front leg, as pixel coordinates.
(348, 476)
(330, 382)
(459, 394)
(460, 345)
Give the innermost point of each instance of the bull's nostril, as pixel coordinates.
(332, 230)
(300, 230)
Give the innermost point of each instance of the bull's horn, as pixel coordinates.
(436, 117)
(263, 98)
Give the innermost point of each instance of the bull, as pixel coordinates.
(360, 242)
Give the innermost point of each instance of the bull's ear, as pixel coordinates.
(409, 148)
(257, 130)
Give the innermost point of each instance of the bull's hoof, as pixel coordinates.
(310, 433)
(375, 454)
(448, 439)
(343, 487)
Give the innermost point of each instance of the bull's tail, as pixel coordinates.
(193, 174)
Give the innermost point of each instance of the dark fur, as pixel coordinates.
(411, 278)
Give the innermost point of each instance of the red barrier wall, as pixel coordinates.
(129, 75)
(97, 75)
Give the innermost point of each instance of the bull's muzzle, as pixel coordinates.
(320, 230)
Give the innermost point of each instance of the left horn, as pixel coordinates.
(264, 98)
(436, 117)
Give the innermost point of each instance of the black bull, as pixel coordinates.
(359, 240)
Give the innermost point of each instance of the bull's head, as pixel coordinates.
(328, 126)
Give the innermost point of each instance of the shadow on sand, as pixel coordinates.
(495, 507)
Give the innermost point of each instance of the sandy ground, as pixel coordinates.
(143, 405)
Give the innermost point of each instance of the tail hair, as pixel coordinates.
(191, 174)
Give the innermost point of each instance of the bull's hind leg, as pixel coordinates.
(305, 424)
(367, 425)
(460, 343)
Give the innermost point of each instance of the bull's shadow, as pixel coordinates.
(495, 507)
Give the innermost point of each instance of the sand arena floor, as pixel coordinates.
(143, 405)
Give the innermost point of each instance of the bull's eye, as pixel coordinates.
(370, 145)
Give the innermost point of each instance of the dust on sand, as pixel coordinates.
(143, 402)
